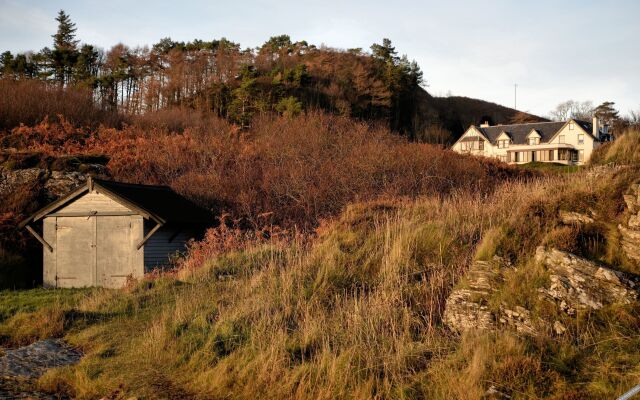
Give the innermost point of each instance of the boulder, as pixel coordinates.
(467, 306)
(630, 231)
(578, 283)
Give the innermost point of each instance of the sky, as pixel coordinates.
(553, 50)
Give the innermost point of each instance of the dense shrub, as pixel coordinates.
(284, 171)
(30, 101)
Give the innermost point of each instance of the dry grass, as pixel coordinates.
(624, 150)
(356, 313)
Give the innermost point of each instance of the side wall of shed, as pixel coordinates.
(163, 244)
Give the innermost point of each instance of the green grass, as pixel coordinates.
(551, 167)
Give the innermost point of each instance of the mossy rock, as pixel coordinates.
(66, 163)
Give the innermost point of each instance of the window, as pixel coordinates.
(533, 141)
(561, 139)
(503, 144)
(550, 155)
(574, 156)
(571, 126)
(503, 158)
(481, 145)
(581, 155)
(581, 139)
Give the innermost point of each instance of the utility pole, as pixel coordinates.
(515, 96)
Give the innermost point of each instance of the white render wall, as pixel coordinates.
(570, 136)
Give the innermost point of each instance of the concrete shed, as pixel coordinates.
(107, 232)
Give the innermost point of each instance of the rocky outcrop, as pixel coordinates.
(630, 231)
(54, 183)
(467, 306)
(577, 283)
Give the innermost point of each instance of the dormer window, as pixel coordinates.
(503, 144)
(533, 137)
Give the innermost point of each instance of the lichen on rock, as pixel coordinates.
(578, 283)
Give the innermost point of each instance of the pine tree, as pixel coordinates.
(65, 49)
(64, 39)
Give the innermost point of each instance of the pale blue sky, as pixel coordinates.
(554, 50)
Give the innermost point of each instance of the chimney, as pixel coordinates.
(596, 128)
(485, 124)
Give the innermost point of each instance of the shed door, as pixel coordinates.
(75, 251)
(115, 250)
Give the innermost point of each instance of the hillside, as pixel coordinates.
(285, 77)
(365, 309)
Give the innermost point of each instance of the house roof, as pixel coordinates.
(471, 138)
(519, 132)
(160, 203)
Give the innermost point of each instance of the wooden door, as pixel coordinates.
(115, 250)
(75, 252)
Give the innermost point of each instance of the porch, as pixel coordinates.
(561, 154)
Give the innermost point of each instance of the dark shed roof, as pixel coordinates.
(519, 132)
(159, 201)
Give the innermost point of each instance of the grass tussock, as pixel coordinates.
(624, 150)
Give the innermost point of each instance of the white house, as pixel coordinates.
(568, 142)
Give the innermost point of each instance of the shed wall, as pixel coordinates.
(163, 244)
(94, 201)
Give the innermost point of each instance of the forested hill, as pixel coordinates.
(280, 76)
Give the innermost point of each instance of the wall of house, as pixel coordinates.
(459, 146)
(571, 138)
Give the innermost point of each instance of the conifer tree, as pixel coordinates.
(65, 48)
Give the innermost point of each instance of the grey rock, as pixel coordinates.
(577, 283)
(12, 179)
(55, 183)
(33, 360)
(574, 218)
(630, 232)
(466, 306)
